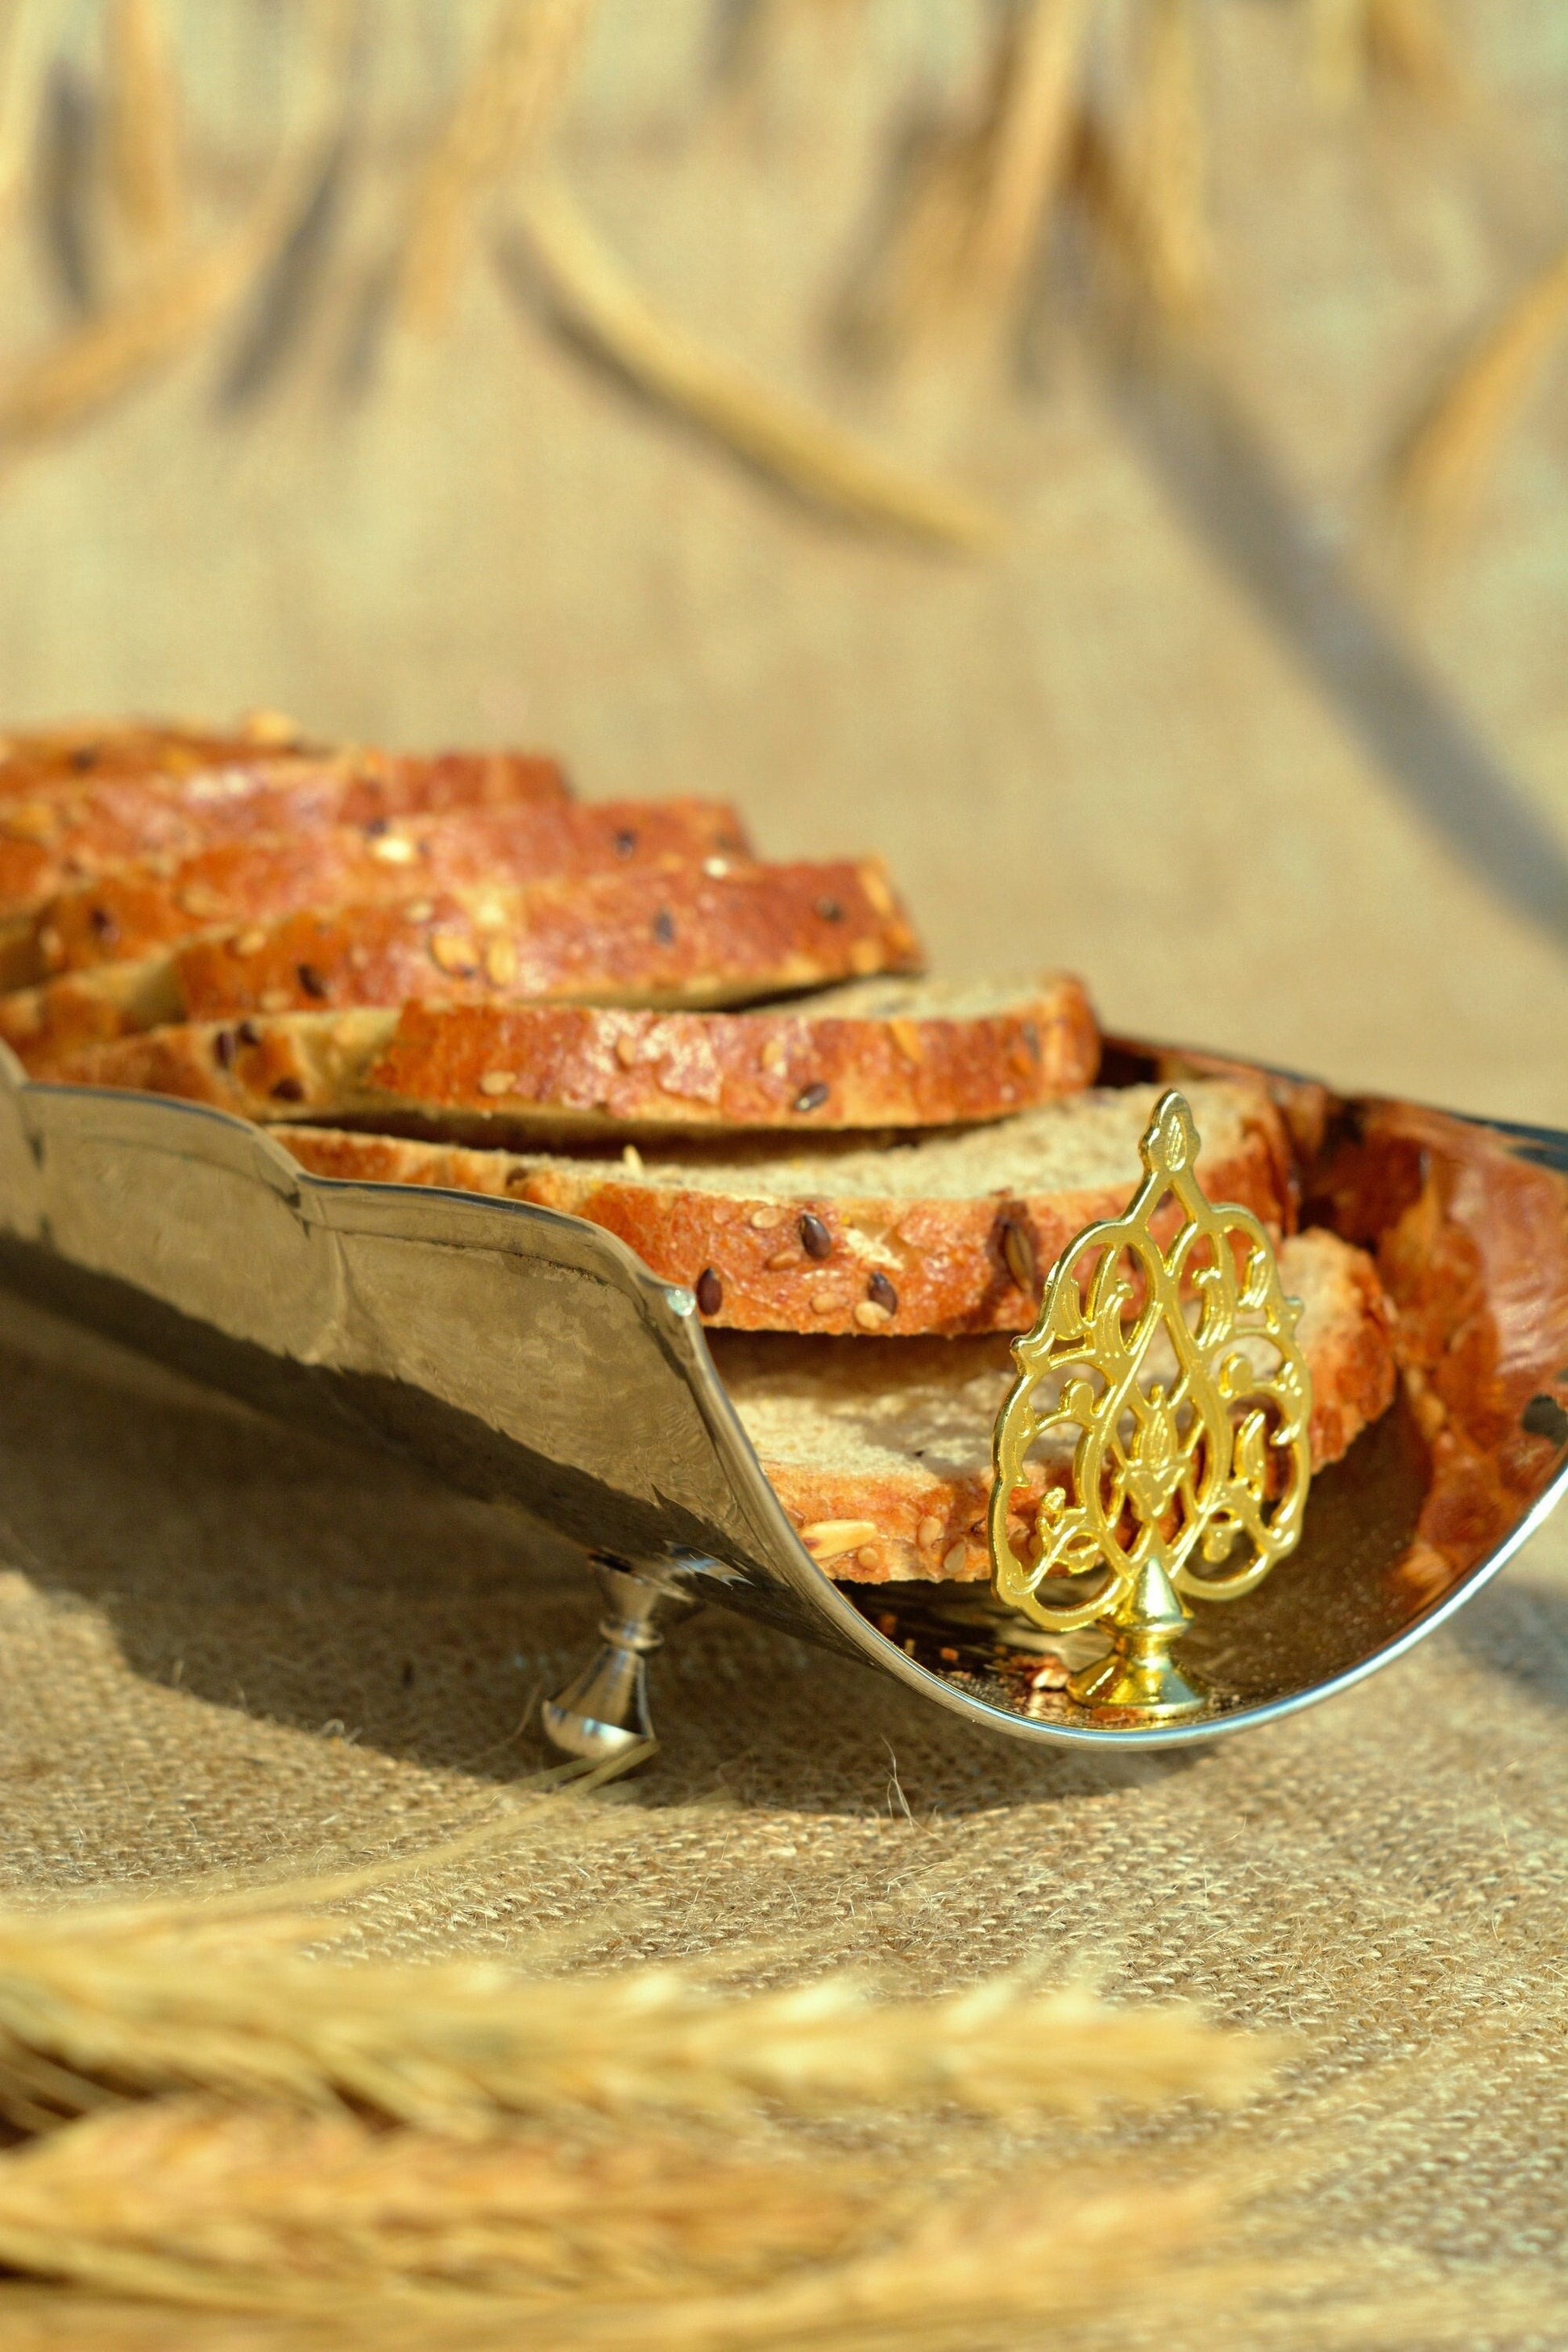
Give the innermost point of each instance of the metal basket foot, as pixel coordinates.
(603, 1710)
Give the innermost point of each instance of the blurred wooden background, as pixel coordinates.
(1211, 719)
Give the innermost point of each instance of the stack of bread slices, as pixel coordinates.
(446, 971)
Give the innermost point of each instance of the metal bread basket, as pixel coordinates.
(530, 1359)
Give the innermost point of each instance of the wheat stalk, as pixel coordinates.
(1405, 39)
(500, 119)
(28, 30)
(783, 436)
(458, 2046)
(1169, 219)
(89, 368)
(143, 108)
(581, 2244)
(266, 2210)
(1438, 474)
(1036, 92)
(93, 365)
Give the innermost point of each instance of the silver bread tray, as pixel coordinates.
(532, 1360)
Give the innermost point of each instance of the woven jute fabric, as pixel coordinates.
(230, 1650)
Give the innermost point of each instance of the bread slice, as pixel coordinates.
(950, 1233)
(72, 828)
(132, 747)
(899, 1054)
(154, 902)
(671, 934)
(881, 1453)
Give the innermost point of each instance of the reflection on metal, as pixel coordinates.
(603, 1711)
(532, 1360)
(1187, 1435)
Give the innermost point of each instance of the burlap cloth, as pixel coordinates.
(228, 1648)
(225, 1648)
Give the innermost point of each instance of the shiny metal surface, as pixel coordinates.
(532, 1360)
(603, 1713)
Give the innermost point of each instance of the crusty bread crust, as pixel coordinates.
(152, 903)
(778, 1245)
(39, 757)
(880, 1453)
(670, 934)
(520, 1072)
(74, 827)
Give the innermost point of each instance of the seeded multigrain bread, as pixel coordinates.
(880, 1453)
(69, 828)
(878, 1054)
(128, 746)
(672, 934)
(151, 903)
(949, 1233)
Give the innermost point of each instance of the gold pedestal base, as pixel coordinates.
(1136, 1674)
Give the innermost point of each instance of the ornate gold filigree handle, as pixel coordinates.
(1173, 1371)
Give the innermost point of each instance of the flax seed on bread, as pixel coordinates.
(673, 934)
(890, 1054)
(151, 903)
(880, 1453)
(949, 1233)
(73, 826)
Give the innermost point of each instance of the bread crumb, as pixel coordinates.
(498, 1082)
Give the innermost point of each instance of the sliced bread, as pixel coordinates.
(901, 1054)
(154, 902)
(73, 827)
(670, 934)
(950, 1233)
(133, 746)
(882, 1453)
